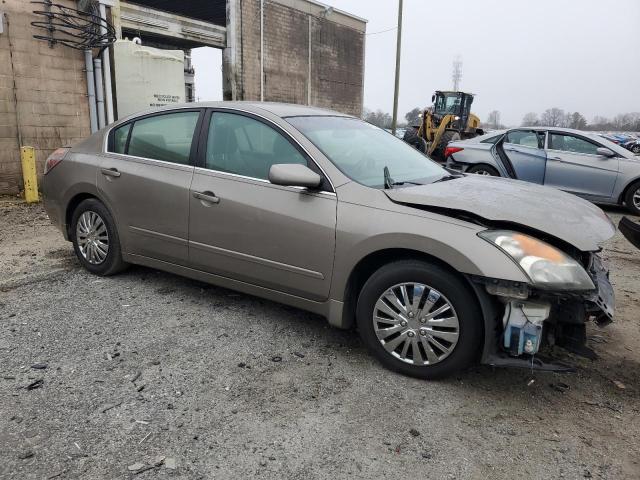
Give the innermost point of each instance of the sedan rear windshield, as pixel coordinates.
(362, 151)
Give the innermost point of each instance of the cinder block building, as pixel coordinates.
(298, 51)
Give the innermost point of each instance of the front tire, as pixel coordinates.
(95, 238)
(632, 198)
(482, 169)
(419, 319)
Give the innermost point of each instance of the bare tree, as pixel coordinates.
(413, 116)
(378, 118)
(576, 120)
(530, 120)
(493, 119)
(552, 117)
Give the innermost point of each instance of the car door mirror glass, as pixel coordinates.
(294, 175)
(605, 152)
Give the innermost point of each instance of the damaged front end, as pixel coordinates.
(530, 319)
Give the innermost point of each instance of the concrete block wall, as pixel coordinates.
(51, 93)
(290, 27)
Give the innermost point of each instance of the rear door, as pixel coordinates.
(524, 153)
(574, 165)
(145, 177)
(243, 227)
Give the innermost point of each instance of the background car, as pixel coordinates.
(577, 162)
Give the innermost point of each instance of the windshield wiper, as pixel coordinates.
(402, 183)
(388, 181)
(447, 177)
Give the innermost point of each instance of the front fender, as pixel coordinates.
(362, 231)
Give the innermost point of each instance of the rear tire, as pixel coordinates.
(483, 169)
(95, 238)
(422, 282)
(636, 149)
(632, 198)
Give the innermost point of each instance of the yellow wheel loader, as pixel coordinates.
(447, 120)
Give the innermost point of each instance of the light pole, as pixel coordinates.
(394, 121)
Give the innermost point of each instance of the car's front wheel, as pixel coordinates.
(419, 319)
(95, 238)
(632, 198)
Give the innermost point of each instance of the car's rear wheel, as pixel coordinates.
(632, 198)
(419, 319)
(95, 238)
(636, 149)
(484, 170)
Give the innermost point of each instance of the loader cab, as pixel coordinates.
(457, 104)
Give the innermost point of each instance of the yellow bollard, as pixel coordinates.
(28, 158)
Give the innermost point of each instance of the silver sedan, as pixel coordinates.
(577, 162)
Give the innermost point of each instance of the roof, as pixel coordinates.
(278, 109)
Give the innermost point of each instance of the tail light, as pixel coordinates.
(54, 159)
(450, 150)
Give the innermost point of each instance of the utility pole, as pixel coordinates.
(394, 122)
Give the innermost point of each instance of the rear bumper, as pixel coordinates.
(53, 209)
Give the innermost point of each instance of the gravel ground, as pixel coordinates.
(149, 375)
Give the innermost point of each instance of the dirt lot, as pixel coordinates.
(99, 374)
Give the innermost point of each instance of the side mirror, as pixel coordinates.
(605, 152)
(433, 98)
(294, 175)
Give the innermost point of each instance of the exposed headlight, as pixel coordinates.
(546, 266)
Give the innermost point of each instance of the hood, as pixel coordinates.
(559, 214)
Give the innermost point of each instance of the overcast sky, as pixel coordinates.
(518, 56)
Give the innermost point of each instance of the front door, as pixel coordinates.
(145, 178)
(524, 151)
(574, 165)
(243, 227)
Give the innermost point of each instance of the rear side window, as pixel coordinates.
(245, 146)
(166, 137)
(569, 143)
(120, 136)
(526, 138)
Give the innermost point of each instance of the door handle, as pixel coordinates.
(206, 197)
(556, 159)
(110, 172)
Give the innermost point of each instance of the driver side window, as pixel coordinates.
(244, 146)
(569, 143)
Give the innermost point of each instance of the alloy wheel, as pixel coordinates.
(636, 199)
(416, 324)
(92, 237)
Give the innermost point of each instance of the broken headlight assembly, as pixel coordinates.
(547, 267)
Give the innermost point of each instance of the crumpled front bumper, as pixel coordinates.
(567, 314)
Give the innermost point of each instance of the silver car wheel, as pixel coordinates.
(92, 237)
(636, 198)
(482, 172)
(416, 324)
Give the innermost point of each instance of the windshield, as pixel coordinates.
(362, 151)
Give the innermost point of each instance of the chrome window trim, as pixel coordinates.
(161, 163)
(105, 142)
(219, 173)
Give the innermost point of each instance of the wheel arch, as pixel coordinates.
(626, 188)
(374, 260)
(74, 200)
